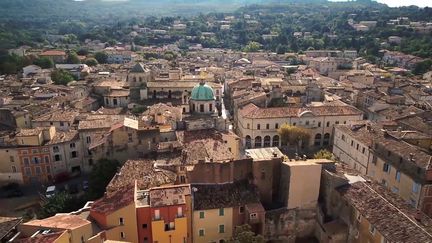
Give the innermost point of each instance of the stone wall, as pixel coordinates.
(285, 225)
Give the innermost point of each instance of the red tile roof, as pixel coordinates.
(253, 111)
(114, 201)
(53, 53)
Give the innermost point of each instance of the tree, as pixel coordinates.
(101, 57)
(59, 203)
(102, 173)
(323, 154)
(61, 77)
(244, 234)
(293, 135)
(252, 46)
(422, 67)
(44, 62)
(91, 62)
(72, 58)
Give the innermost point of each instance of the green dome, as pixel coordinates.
(202, 92)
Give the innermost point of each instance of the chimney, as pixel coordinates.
(418, 215)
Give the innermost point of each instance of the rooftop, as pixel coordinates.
(7, 224)
(253, 111)
(60, 221)
(388, 213)
(49, 237)
(142, 171)
(212, 196)
(114, 200)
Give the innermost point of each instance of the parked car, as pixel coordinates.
(11, 190)
(85, 185)
(50, 191)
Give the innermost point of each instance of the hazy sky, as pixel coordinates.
(396, 3)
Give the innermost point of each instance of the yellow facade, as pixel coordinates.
(129, 226)
(210, 224)
(36, 140)
(234, 143)
(63, 238)
(366, 231)
(178, 234)
(401, 184)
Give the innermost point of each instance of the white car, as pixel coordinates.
(50, 191)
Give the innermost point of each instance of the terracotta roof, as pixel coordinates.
(6, 224)
(253, 111)
(24, 132)
(388, 213)
(53, 53)
(113, 201)
(58, 115)
(61, 137)
(60, 221)
(42, 238)
(142, 171)
(212, 196)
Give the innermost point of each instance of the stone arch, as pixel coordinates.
(317, 141)
(258, 142)
(267, 141)
(275, 141)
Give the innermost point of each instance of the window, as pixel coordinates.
(38, 170)
(145, 239)
(221, 228)
(372, 229)
(352, 143)
(144, 226)
(47, 159)
(253, 215)
(397, 176)
(343, 137)
(122, 235)
(387, 168)
(294, 124)
(241, 209)
(157, 214)
(258, 126)
(221, 212)
(179, 212)
(28, 171)
(276, 126)
(363, 150)
(14, 170)
(61, 123)
(201, 232)
(88, 139)
(72, 145)
(337, 122)
(328, 124)
(416, 187)
(358, 146)
(74, 154)
(201, 108)
(319, 124)
(248, 126)
(12, 159)
(211, 107)
(267, 126)
(57, 157)
(35, 160)
(121, 221)
(201, 215)
(307, 123)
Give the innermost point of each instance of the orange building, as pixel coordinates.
(164, 214)
(35, 164)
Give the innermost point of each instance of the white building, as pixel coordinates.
(258, 127)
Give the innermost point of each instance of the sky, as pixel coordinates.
(397, 3)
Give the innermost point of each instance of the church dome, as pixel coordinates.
(202, 92)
